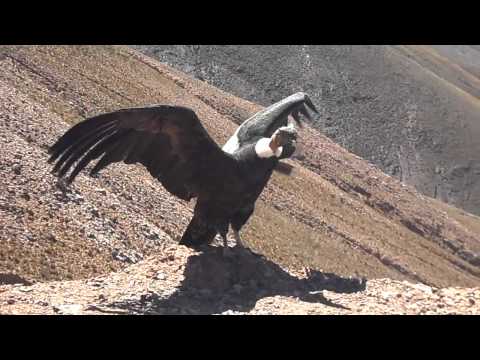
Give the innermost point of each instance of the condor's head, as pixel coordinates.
(281, 144)
(286, 138)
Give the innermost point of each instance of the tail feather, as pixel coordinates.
(198, 233)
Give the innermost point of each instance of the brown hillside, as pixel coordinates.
(412, 110)
(336, 213)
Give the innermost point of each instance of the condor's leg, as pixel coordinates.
(201, 230)
(238, 220)
(238, 240)
(197, 234)
(222, 229)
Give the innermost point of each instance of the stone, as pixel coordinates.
(160, 276)
(68, 309)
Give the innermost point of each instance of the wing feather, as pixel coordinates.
(304, 112)
(86, 128)
(73, 153)
(169, 141)
(267, 121)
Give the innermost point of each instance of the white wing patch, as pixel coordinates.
(232, 144)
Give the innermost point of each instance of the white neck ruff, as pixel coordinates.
(263, 149)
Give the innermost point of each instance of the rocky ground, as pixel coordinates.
(183, 282)
(109, 243)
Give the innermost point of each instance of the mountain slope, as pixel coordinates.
(411, 110)
(336, 213)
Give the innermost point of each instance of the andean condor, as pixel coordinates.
(176, 149)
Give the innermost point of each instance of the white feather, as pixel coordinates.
(263, 149)
(232, 144)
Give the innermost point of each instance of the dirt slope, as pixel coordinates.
(336, 214)
(182, 282)
(411, 110)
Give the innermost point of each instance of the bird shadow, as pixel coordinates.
(215, 284)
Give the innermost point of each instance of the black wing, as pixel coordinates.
(266, 122)
(169, 141)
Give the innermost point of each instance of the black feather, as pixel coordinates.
(155, 158)
(305, 113)
(113, 153)
(310, 104)
(77, 139)
(99, 148)
(142, 142)
(73, 153)
(86, 127)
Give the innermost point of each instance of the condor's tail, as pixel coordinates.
(198, 233)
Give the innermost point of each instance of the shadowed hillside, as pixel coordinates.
(414, 111)
(336, 213)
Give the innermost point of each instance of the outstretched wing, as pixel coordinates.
(267, 121)
(169, 141)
